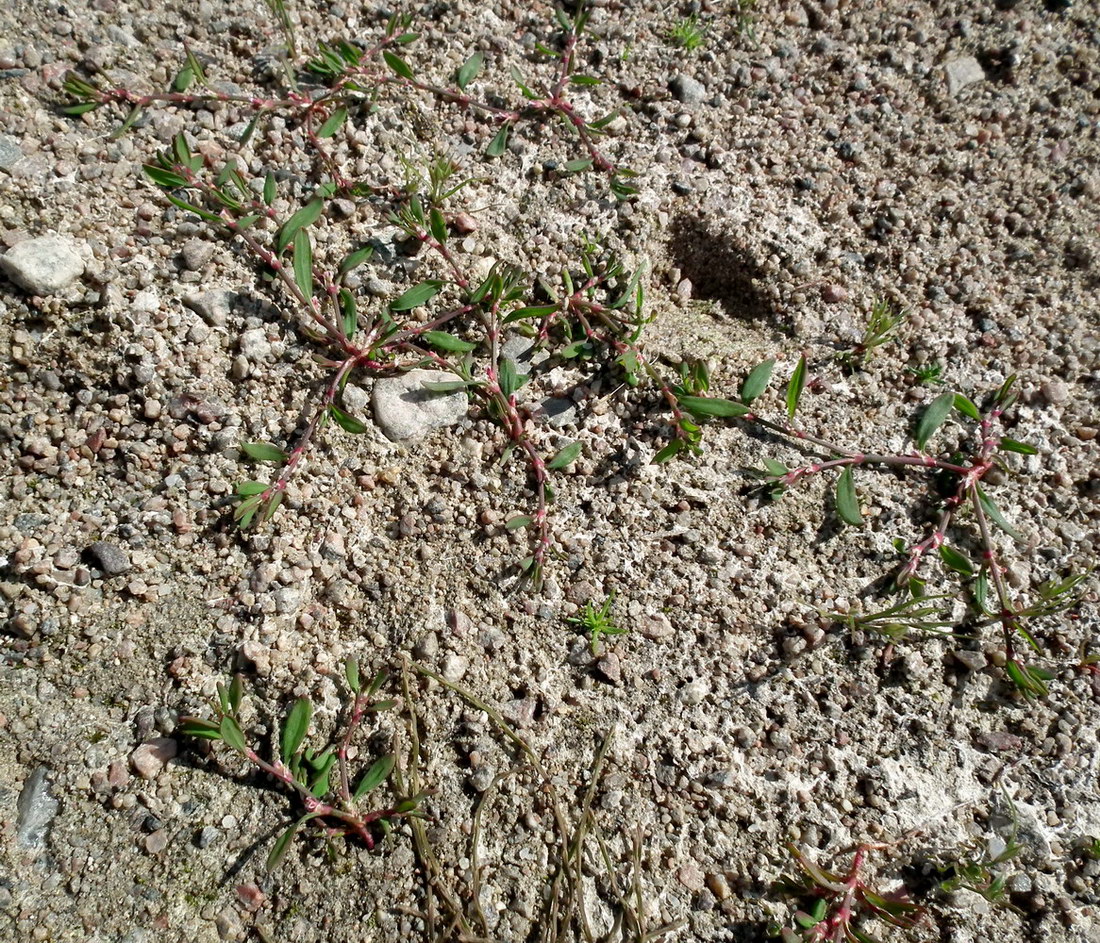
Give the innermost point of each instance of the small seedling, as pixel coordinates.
(928, 374)
(980, 874)
(835, 907)
(597, 622)
(689, 34)
(744, 19)
(881, 329)
(319, 780)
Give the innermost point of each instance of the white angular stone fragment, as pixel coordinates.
(405, 409)
(43, 266)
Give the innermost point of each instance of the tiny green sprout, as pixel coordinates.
(597, 622)
(688, 33)
(881, 329)
(980, 874)
(929, 374)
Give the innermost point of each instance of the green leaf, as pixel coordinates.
(576, 166)
(441, 340)
(417, 295)
(351, 315)
(374, 777)
(263, 452)
(282, 844)
(956, 561)
(399, 65)
(235, 693)
(351, 673)
(516, 523)
(247, 488)
(584, 80)
(306, 216)
(303, 263)
(273, 505)
(1021, 448)
(795, 387)
(499, 143)
(670, 451)
(346, 422)
(509, 379)
(966, 406)
(757, 381)
(231, 734)
(565, 457)
(80, 109)
(200, 729)
(996, 516)
(847, 504)
(333, 123)
(774, 468)
(438, 225)
(531, 311)
(164, 178)
(701, 406)
(355, 259)
(376, 683)
(469, 70)
(932, 417)
(295, 728)
(271, 188)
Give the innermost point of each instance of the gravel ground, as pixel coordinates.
(792, 170)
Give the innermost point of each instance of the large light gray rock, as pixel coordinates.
(405, 409)
(45, 265)
(35, 809)
(961, 72)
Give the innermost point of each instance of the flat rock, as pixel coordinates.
(212, 306)
(686, 89)
(966, 70)
(35, 810)
(45, 265)
(404, 409)
(10, 152)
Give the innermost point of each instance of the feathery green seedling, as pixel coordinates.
(689, 34)
(835, 906)
(319, 780)
(929, 374)
(881, 329)
(596, 622)
(960, 476)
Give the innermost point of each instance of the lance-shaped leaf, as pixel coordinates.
(567, 456)
(996, 516)
(966, 406)
(231, 733)
(757, 381)
(499, 143)
(282, 844)
(469, 70)
(346, 422)
(703, 406)
(932, 418)
(333, 123)
(375, 776)
(517, 522)
(417, 295)
(956, 561)
(303, 263)
(1021, 448)
(441, 340)
(295, 728)
(509, 379)
(847, 504)
(356, 258)
(399, 65)
(271, 188)
(262, 452)
(306, 216)
(795, 387)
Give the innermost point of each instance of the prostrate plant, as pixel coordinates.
(880, 330)
(835, 906)
(320, 781)
(453, 322)
(959, 475)
(982, 874)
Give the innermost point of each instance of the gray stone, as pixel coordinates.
(45, 265)
(212, 306)
(196, 253)
(405, 409)
(254, 345)
(966, 70)
(10, 152)
(686, 89)
(35, 810)
(559, 411)
(454, 668)
(111, 558)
